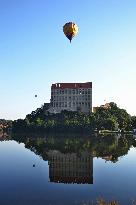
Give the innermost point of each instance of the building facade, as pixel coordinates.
(71, 97)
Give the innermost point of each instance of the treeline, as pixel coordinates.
(5, 124)
(111, 118)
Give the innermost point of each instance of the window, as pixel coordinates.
(69, 91)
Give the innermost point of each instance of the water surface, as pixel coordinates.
(69, 170)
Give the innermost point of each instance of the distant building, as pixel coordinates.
(106, 106)
(70, 168)
(71, 97)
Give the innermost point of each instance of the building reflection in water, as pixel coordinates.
(71, 159)
(70, 167)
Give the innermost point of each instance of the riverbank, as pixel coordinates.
(114, 132)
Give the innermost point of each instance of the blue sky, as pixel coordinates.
(34, 53)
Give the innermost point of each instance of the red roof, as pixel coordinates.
(71, 85)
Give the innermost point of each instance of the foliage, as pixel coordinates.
(103, 202)
(133, 122)
(111, 118)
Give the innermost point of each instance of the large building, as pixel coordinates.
(71, 97)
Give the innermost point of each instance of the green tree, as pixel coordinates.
(133, 122)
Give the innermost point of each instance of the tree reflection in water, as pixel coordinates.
(70, 158)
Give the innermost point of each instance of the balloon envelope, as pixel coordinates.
(70, 30)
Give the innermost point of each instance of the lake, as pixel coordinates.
(67, 169)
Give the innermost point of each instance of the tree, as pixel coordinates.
(133, 122)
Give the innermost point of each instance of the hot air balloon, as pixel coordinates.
(70, 30)
(35, 96)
